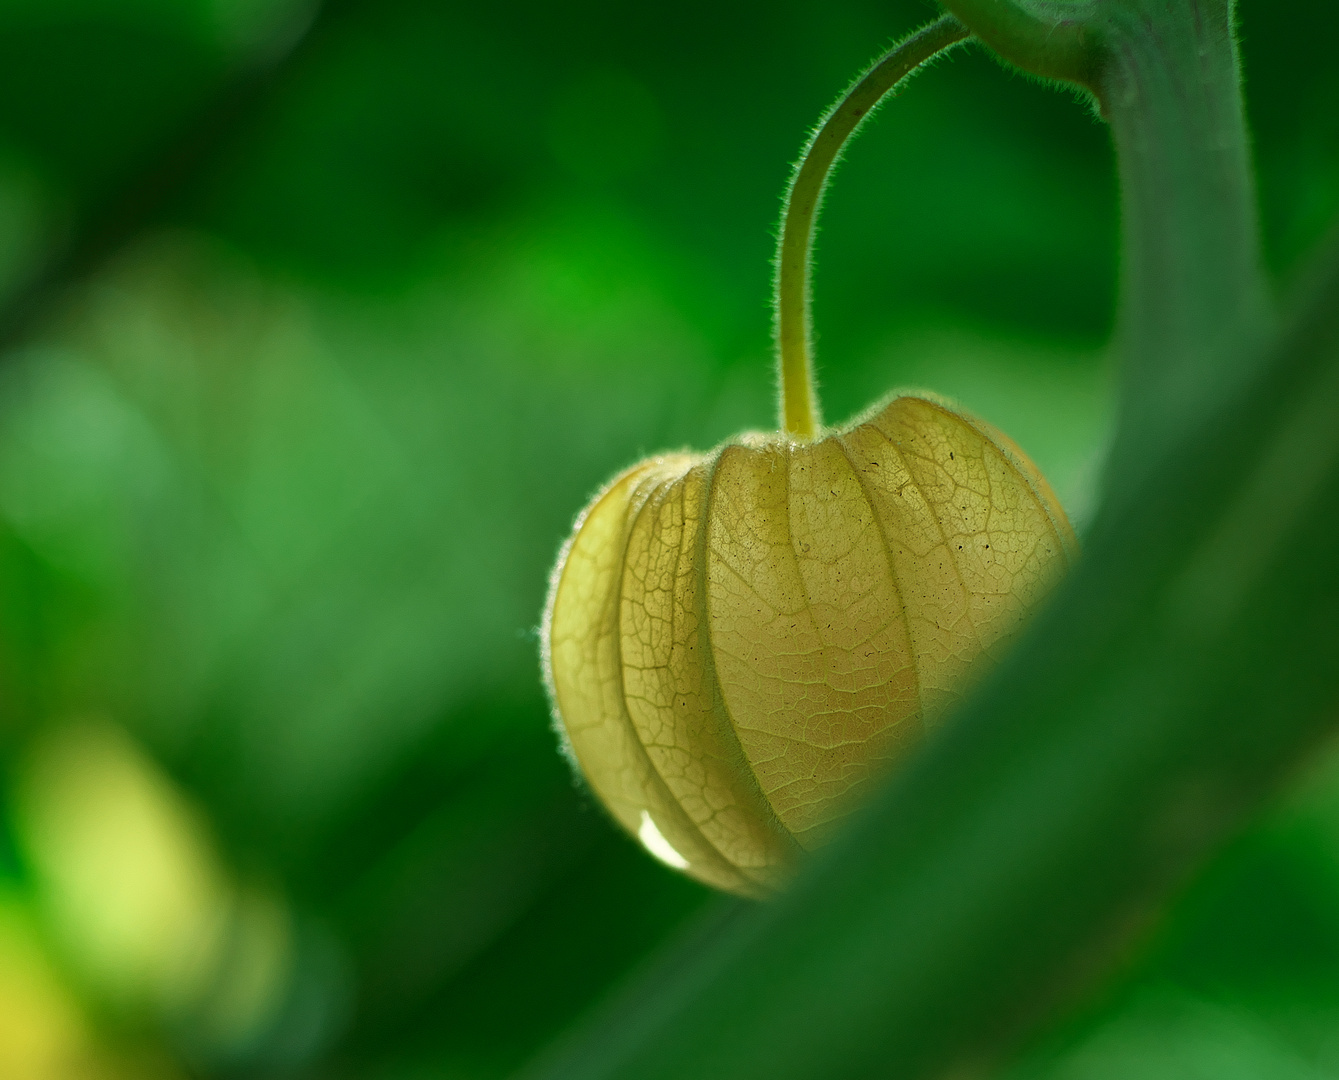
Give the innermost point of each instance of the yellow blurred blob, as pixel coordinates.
(738, 642)
(134, 893)
(43, 1035)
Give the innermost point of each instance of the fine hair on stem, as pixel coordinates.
(800, 413)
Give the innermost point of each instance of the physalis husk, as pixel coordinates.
(738, 642)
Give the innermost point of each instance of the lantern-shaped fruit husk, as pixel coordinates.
(737, 643)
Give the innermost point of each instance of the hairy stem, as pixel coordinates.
(800, 414)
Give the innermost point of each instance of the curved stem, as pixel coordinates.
(1048, 38)
(799, 403)
(1195, 304)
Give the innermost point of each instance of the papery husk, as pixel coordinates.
(737, 643)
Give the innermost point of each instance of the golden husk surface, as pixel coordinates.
(738, 642)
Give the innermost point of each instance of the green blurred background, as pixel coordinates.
(320, 323)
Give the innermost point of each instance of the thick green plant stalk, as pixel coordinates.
(1193, 307)
(1180, 674)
